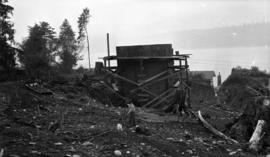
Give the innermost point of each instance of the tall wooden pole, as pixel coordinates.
(108, 48)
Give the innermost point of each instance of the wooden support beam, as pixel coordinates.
(131, 82)
(163, 99)
(152, 78)
(165, 107)
(177, 67)
(158, 97)
(149, 92)
(161, 79)
(123, 78)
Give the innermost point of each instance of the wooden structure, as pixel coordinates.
(147, 73)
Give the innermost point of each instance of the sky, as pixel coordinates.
(132, 22)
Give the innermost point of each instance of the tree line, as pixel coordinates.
(42, 51)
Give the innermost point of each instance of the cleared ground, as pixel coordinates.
(69, 123)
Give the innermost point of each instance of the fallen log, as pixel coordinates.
(213, 130)
(39, 89)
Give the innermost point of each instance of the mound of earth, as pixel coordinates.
(244, 90)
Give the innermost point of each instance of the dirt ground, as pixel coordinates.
(71, 124)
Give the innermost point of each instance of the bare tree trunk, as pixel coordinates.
(256, 136)
(88, 49)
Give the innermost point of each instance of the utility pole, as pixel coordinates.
(108, 47)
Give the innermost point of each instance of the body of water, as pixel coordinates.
(224, 59)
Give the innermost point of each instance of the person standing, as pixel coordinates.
(180, 99)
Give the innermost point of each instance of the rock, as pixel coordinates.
(87, 143)
(117, 153)
(58, 143)
(119, 127)
(128, 152)
(92, 126)
(143, 144)
(76, 155)
(232, 153)
(189, 151)
(170, 139)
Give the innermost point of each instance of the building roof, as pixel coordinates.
(173, 57)
(205, 74)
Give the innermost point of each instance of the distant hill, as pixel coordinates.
(246, 35)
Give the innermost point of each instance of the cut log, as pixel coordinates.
(213, 130)
(257, 136)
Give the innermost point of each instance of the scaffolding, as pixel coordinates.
(157, 90)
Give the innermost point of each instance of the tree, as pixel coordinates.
(38, 49)
(67, 47)
(7, 52)
(82, 25)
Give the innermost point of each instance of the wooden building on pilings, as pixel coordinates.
(148, 73)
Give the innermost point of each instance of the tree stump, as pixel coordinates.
(253, 125)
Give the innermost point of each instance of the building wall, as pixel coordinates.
(131, 69)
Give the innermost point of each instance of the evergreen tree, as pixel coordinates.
(67, 47)
(38, 49)
(7, 52)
